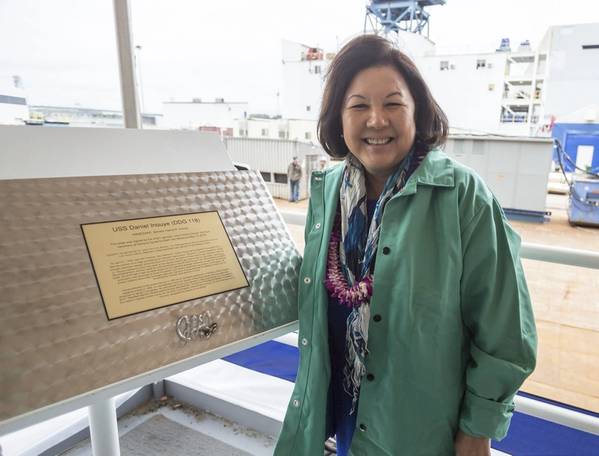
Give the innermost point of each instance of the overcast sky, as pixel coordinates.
(65, 50)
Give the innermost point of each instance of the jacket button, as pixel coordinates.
(386, 250)
(377, 318)
(295, 403)
(370, 377)
(363, 427)
(317, 226)
(304, 341)
(307, 280)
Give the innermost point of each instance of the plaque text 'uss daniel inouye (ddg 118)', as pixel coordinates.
(147, 263)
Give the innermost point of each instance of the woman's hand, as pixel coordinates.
(466, 445)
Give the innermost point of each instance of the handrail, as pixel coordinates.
(556, 414)
(529, 250)
(560, 255)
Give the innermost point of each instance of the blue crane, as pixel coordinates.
(387, 16)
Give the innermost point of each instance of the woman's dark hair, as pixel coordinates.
(364, 52)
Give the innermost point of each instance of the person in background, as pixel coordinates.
(415, 322)
(323, 162)
(294, 174)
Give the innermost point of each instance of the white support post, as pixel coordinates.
(103, 429)
(129, 94)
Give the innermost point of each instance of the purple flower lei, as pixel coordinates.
(336, 283)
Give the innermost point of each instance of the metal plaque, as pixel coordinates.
(56, 339)
(146, 263)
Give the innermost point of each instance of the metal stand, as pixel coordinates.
(103, 429)
(157, 390)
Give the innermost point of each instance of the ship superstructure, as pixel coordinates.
(522, 91)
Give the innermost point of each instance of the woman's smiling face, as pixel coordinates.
(378, 119)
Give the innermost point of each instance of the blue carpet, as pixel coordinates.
(528, 436)
(270, 358)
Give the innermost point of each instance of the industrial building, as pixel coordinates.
(84, 117)
(520, 91)
(272, 157)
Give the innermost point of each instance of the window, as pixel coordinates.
(308, 108)
(481, 63)
(266, 176)
(280, 178)
(264, 132)
(317, 69)
(444, 65)
(282, 134)
(308, 135)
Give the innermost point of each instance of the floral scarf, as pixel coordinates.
(357, 248)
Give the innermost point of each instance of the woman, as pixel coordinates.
(416, 327)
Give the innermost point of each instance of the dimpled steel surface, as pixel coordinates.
(56, 341)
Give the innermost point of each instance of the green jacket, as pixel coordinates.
(452, 334)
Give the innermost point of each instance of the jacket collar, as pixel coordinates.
(436, 170)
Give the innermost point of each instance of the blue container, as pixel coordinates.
(583, 208)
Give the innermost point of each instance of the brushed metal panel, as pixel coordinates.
(55, 339)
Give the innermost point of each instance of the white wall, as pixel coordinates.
(255, 128)
(587, 114)
(414, 45)
(302, 83)
(292, 129)
(573, 73)
(302, 130)
(471, 98)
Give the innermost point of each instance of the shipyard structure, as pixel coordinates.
(548, 89)
(524, 90)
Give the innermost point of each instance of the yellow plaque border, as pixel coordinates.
(173, 303)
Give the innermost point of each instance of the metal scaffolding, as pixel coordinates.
(386, 17)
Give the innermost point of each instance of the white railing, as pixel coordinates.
(530, 251)
(556, 414)
(560, 255)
